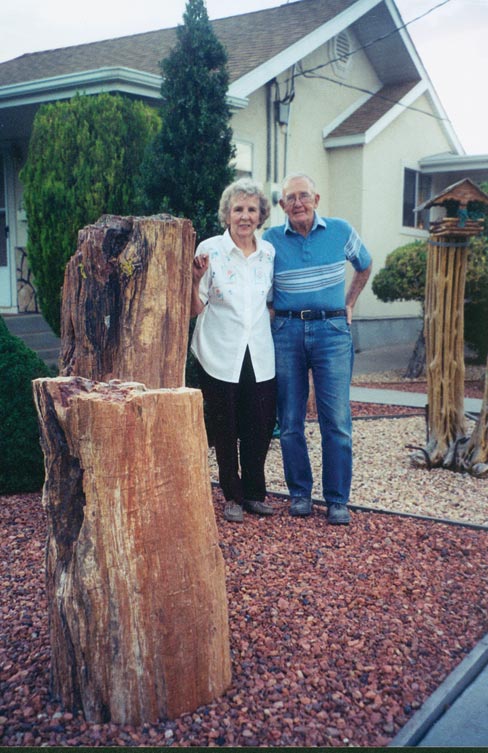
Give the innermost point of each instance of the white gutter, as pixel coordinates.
(119, 78)
(61, 87)
(445, 163)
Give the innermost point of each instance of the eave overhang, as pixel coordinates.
(448, 163)
(109, 79)
(243, 87)
(126, 80)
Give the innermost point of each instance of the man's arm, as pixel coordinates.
(359, 280)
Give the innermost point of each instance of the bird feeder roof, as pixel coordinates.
(463, 191)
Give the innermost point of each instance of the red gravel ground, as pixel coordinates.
(338, 634)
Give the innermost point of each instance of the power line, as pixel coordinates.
(374, 94)
(378, 39)
(310, 72)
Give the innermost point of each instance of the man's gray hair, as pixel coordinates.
(303, 176)
(248, 187)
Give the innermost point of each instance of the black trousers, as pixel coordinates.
(242, 416)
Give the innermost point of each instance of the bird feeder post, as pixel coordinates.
(444, 319)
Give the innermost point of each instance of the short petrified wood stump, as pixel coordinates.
(135, 575)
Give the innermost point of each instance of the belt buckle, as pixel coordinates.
(304, 313)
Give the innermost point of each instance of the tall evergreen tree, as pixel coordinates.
(83, 158)
(189, 164)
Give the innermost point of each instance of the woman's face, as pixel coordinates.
(244, 216)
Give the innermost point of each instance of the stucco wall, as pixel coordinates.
(368, 185)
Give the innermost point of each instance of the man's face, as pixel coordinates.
(299, 202)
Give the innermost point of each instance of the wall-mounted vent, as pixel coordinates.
(340, 53)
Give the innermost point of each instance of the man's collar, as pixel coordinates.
(317, 222)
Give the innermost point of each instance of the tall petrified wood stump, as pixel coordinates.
(135, 575)
(126, 301)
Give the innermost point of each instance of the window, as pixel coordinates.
(243, 159)
(417, 188)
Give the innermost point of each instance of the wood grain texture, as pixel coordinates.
(135, 575)
(126, 301)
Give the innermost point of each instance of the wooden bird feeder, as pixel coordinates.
(462, 203)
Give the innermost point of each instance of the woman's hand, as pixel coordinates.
(200, 266)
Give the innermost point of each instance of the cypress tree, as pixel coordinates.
(189, 164)
(83, 157)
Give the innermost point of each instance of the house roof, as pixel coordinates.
(373, 109)
(250, 40)
(260, 45)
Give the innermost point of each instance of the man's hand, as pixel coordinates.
(359, 280)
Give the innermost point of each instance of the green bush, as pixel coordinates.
(403, 279)
(84, 156)
(403, 276)
(21, 459)
(476, 294)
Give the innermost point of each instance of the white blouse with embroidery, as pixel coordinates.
(235, 289)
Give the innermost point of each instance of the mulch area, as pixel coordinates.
(338, 635)
(378, 410)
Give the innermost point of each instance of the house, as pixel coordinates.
(334, 88)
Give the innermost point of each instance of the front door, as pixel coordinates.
(5, 272)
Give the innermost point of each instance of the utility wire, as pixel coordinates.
(378, 39)
(374, 94)
(310, 72)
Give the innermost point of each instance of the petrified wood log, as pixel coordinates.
(126, 301)
(135, 575)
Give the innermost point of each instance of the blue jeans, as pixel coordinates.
(324, 346)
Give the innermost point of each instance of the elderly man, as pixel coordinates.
(311, 330)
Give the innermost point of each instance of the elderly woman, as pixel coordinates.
(232, 342)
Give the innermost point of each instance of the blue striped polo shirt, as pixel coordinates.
(310, 272)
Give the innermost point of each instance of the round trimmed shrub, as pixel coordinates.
(21, 458)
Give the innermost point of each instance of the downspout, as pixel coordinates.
(269, 115)
(275, 156)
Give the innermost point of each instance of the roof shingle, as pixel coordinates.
(250, 40)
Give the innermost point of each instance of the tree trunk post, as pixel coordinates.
(444, 322)
(444, 337)
(135, 575)
(126, 301)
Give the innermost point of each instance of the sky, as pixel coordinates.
(452, 41)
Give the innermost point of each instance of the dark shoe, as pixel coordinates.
(338, 515)
(233, 512)
(300, 507)
(260, 508)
